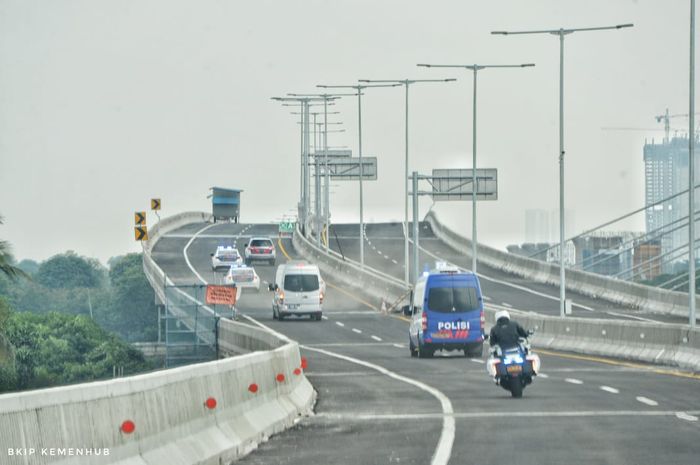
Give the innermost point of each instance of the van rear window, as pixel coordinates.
(452, 299)
(301, 282)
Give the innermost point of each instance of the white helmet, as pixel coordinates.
(502, 314)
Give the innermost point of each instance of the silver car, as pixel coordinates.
(260, 248)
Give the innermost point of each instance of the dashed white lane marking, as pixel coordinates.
(324, 317)
(394, 262)
(686, 416)
(647, 401)
(487, 299)
(609, 389)
(400, 346)
(542, 375)
(355, 330)
(573, 381)
(506, 304)
(379, 251)
(443, 451)
(340, 324)
(376, 338)
(476, 360)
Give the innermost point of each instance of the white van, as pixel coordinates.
(298, 291)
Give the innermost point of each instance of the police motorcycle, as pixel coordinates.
(514, 368)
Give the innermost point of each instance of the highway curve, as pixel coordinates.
(377, 405)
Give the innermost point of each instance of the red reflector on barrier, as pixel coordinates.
(280, 378)
(210, 403)
(304, 363)
(297, 371)
(253, 388)
(128, 427)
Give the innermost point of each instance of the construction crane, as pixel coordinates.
(667, 124)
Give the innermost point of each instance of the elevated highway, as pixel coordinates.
(378, 405)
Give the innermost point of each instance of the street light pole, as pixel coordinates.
(561, 33)
(406, 83)
(305, 200)
(327, 196)
(475, 69)
(691, 173)
(358, 88)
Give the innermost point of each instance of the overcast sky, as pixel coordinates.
(105, 104)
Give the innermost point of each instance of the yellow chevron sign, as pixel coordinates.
(140, 218)
(141, 233)
(155, 204)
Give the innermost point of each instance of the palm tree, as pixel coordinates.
(6, 266)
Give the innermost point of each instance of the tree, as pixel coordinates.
(68, 270)
(53, 348)
(133, 312)
(28, 266)
(6, 260)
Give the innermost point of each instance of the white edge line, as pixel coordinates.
(443, 451)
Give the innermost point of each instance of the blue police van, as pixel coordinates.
(447, 313)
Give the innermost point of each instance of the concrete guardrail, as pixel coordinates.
(209, 413)
(674, 345)
(375, 286)
(594, 285)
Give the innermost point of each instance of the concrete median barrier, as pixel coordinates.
(375, 287)
(594, 285)
(665, 344)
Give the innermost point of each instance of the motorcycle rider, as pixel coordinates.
(505, 334)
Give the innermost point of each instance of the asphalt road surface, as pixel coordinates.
(377, 405)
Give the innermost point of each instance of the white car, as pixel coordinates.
(243, 277)
(225, 256)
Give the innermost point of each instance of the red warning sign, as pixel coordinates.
(221, 295)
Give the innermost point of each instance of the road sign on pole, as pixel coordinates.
(333, 153)
(348, 169)
(456, 184)
(155, 204)
(141, 233)
(286, 226)
(140, 218)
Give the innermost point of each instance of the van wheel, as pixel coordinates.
(318, 316)
(412, 348)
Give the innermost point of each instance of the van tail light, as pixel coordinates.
(424, 322)
(482, 319)
(320, 297)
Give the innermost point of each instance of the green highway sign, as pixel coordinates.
(287, 226)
